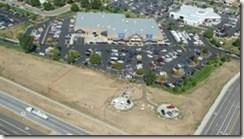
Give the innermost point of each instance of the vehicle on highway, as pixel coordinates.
(37, 112)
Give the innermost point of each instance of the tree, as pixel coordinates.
(95, 59)
(96, 4)
(177, 89)
(212, 2)
(74, 7)
(35, 3)
(237, 42)
(75, 53)
(26, 42)
(117, 66)
(59, 3)
(70, 58)
(205, 50)
(56, 54)
(209, 34)
(163, 77)
(84, 3)
(48, 6)
(69, 1)
(140, 71)
(127, 15)
(171, 25)
(195, 60)
(150, 77)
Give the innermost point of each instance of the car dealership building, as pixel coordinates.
(114, 28)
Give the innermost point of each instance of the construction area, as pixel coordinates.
(87, 93)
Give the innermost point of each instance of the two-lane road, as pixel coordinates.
(52, 122)
(225, 120)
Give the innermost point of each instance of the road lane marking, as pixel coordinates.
(229, 92)
(230, 119)
(65, 126)
(226, 117)
(4, 132)
(14, 126)
(235, 122)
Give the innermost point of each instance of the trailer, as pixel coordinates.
(37, 112)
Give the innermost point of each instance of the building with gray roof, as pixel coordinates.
(116, 27)
(195, 16)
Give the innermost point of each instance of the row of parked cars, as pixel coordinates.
(5, 22)
(37, 33)
(55, 30)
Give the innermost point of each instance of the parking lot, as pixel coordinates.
(160, 58)
(9, 18)
(144, 7)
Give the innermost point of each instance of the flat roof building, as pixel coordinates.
(116, 27)
(195, 16)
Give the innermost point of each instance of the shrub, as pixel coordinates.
(140, 71)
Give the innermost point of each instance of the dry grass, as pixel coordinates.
(13, 31)
(25, 121)
(88, 92)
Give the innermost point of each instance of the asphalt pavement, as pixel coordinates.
(52, 122)
(225, 120)
(10, 126)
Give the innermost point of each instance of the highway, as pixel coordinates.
(10, 126)
(52, 122)
(225, 120)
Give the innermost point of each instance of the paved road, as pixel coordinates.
(226, 118)
(37, 10)
(10, 126)
(53, 123)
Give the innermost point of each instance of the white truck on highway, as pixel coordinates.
(37, 112)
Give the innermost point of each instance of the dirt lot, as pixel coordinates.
(88, 92)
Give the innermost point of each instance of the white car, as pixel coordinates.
(138, 49)
(150, 56)
(164, 50)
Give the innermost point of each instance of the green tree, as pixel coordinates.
(84, 3)
(74, 7)
(205, 50)
(48, 6)
(237, 42)
(95, 59)
(163, 77)
(177, 89)
(26, 42)
(56, 54)
(140, 71)
(35, 3)
(69, 1)
(127, 15)
(195, 60)
(76, 53)
(150, 77)
(212, 2)
(209, 34)
(96, 4)
(117, 66)
(70, 58)
(59, 3)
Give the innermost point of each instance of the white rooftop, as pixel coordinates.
(42, 1)
(194, 13)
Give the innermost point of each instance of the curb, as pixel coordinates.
(213, 107)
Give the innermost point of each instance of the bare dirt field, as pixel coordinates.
(88, 92)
